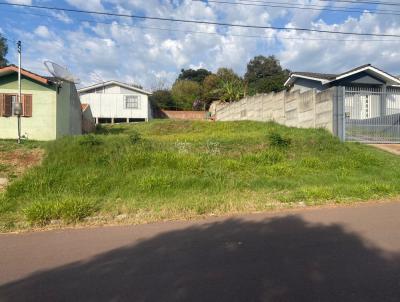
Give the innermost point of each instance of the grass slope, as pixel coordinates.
(181, 169)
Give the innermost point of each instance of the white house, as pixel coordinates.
(116, 102)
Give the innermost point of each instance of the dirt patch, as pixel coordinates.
(392, 148)
(15, 162)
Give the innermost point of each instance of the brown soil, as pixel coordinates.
(16, 162)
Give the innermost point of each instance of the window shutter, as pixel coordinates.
(27, 105)
(7, 107)
(2, 103)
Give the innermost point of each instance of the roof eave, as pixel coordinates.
(27, 74)
(84, 89)
(289, 80)
(375, 70)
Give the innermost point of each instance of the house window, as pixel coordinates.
(14, 100)
(131, 102)
(8, 103)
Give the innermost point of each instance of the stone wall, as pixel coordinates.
(310, 109)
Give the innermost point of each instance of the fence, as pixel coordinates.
(356, 113)
(372, 115)
(309, 109)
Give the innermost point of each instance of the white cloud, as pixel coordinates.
(26, 2)
(62, 16)
(42, 31)
(138, 50)
(94, 5)
(341, 52)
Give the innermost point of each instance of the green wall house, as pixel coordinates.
(51, 109)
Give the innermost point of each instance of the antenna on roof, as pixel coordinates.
(60, 72)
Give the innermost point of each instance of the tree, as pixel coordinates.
(210, 88)
(231, 90)
(3, 51)
(185, 93)
(227, 75)
(194, 75)
(231, 86)
(265, 74)
(162, 99)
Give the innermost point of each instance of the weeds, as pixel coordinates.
(71, 210)
(183, 147)
(134, 137)
(90, 140)
(275, 139)
(174, 169)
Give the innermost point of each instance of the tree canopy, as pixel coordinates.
(196, 75)
(197, 89)
(185, 93)
(162, 99)
(3, 51)
(265, 74)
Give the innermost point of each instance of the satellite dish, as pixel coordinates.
(60, 72)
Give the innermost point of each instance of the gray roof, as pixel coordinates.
(325, 76)
(127, 86)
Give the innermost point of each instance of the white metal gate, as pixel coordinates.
(372, 115)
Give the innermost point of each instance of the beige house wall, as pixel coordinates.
(42, 124)
(54, 113)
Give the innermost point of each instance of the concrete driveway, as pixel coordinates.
(328, 254)
(391, 148)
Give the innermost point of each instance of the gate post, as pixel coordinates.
(383, 101)
(339, 119)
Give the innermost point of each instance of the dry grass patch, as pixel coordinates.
(14, 162)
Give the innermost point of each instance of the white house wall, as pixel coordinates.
(112, 104)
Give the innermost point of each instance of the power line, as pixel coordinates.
(200, 21)
(303, 7)
(209, 33)
(362, 5)
(364, 2)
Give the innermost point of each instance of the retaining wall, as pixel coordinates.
(183, 115)
(310, 109)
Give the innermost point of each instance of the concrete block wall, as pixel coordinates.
(324, 109)
(309, 109)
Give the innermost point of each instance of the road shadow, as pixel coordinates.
(281, 259)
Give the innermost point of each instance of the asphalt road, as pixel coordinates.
(331, 254)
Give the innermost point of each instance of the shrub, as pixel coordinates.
(276, 140)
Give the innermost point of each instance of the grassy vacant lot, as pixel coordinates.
(180, 169)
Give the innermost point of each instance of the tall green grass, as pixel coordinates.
(180, 169)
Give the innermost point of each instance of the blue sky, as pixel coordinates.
(151, 53)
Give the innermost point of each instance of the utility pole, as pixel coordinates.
(19, 106)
